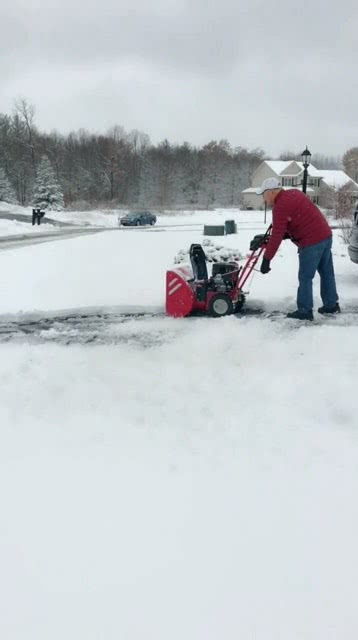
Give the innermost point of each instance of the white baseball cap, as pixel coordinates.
(269, 183)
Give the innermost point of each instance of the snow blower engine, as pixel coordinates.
(191, 291)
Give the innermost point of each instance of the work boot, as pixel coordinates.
(335, 309)
(300, 315)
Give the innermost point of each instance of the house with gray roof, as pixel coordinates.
(322, 185)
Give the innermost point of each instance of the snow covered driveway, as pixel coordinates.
(202, 487)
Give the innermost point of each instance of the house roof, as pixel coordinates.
(336, 178)
(278, 165)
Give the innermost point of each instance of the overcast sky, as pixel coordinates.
(278, 75)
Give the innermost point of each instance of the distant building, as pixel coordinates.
(322, 185)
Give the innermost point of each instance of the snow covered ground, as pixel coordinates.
(77, 218)
(200, 488)
(109, 218)
(18, 228)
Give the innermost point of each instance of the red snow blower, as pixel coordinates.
(191, 291)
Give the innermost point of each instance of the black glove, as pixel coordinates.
(265, 265)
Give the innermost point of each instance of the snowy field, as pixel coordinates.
(198, 486)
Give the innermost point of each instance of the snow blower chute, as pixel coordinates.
(191, 291)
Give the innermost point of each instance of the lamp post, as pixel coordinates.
(306, 157)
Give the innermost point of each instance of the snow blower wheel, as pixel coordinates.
(220, 305)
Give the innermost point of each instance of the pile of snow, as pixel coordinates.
(97, 218)
(213, 253)
(7, 207)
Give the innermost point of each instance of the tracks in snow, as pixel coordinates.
(143, 330)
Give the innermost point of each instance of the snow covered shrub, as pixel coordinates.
(343, 212)
(213, 251)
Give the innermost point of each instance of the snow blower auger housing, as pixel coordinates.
(191, 291)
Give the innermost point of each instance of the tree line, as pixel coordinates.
(119, 168)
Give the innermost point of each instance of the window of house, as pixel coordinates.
(287, 182)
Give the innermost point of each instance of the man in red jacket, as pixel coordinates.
(296, 217)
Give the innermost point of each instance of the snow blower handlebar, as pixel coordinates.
(257, 247)
(260, 240)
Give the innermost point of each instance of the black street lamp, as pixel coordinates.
(306, 158)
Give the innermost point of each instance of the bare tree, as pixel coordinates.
(26, 113)
(321, 161)
(341, 205)
(350, 163)
(290, 155)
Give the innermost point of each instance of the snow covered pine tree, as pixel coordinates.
(47, 192)
(7, 193)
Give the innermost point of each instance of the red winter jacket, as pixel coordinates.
(295, 214)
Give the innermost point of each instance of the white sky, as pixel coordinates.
(261, 75)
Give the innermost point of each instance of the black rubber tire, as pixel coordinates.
(220, 305)
(138, 223)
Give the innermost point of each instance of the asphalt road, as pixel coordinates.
(64, 231)
(7, 215)
(11, 242)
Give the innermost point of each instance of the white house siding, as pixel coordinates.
(252, 201)
(262, 172)
(293, 169)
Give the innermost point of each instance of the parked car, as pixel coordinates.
(353, 241)
(138, 218)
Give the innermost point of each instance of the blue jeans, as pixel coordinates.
(316, 257)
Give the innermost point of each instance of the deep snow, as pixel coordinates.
(202, 488)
